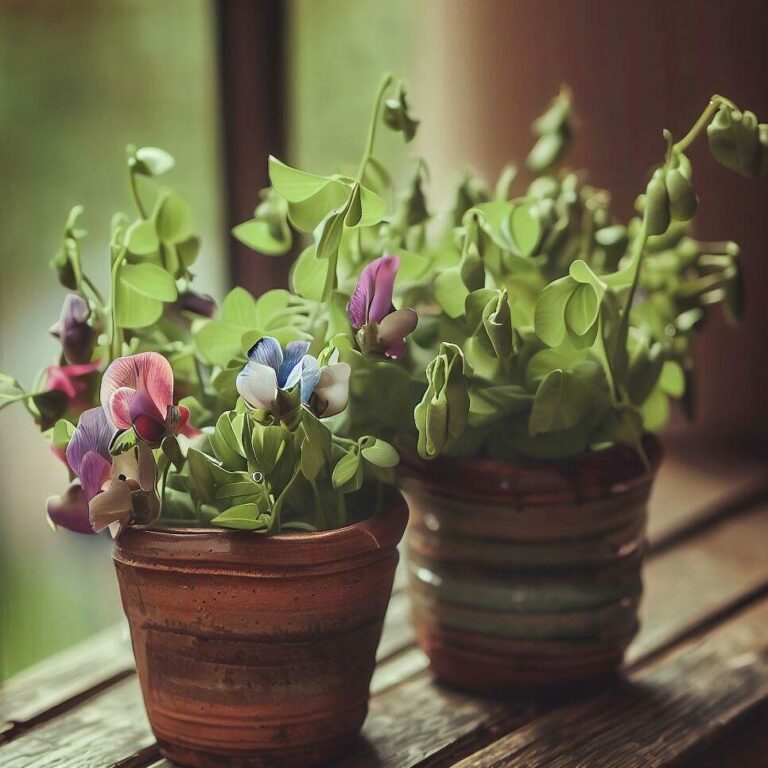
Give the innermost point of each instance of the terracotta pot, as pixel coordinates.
(526, 576)
(256, 651)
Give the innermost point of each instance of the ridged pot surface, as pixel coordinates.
(526, 576)
(256, 651)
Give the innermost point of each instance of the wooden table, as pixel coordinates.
(695, 691)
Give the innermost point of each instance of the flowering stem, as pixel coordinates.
(135, 193)
(709, 112)
(116, 340)
(385, 83)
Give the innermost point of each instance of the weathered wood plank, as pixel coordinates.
(684, 587)
(660, 715)
(100, 732)
(43, 688)
(695, 484)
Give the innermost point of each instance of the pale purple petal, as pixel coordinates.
(257, 385)
(384, 283)
(357, 309)
(94, 472)
(332, 389)
(394, 328)
(93, 433)
(294, 351)
(267, 351)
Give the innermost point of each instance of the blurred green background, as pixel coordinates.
(78, 81)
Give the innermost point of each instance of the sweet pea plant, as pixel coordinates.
(547, 327)
(166, 417)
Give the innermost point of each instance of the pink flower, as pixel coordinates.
(380, 327)
(69, 390)
(137, 391)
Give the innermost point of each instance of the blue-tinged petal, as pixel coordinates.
(306, 374)
(294, 351)
(93, 433)
(257, 385)
(267, 351)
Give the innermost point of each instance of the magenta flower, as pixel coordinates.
(90, 462)
(77, 337)
(137, 391)
(380, 328)
(69, 390)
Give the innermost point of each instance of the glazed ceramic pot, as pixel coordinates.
(256, 651)
(524, 576)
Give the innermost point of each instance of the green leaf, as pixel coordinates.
(141, 238)
(655, 411)
(244, 517)
(153, 161)
(226, 441)
(173, 219)
(239, 308)
(308, 275)
(549, 315)
(346, 469)
(294, 185)
(149, 280)
(526, 229)
(561, 401)
(261, 237)
(62, 433)
(134, 309)
(451, 292)
(672, 379)
(582, 309)
(381, 454)
(330, 236)
(268, 445)
(10, 390)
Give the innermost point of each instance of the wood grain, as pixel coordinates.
(659, 715)
(74, 673)
(98, 733)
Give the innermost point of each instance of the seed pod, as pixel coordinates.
(657, 215)
(735, 141)
(682, 197)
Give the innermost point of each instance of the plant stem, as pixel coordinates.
(135, 193)
(385, 83)
(116, 340)
(709, 112)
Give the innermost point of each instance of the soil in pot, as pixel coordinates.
(257, 651)
(525, 577)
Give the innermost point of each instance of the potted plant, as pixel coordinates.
(551, 339)
(255, 545)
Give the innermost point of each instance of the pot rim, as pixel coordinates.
(224, 547)
(616, 468)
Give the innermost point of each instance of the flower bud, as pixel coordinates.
(682, 197)
(738, 142)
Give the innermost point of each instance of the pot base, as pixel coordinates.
(316, 756)
(510, 673)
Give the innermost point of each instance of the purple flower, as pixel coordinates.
(77, 337)
(89, 460)
(380, 328)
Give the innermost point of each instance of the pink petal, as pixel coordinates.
(148, 371)
(119, 408)
(357, 309)
(385, 274)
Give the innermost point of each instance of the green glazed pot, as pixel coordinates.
(526, 576)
